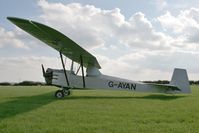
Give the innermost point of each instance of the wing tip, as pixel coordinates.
(12, 18)
(16, 19)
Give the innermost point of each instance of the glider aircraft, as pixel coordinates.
(93, 79)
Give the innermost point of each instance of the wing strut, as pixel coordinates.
(64, 68)
(78, 70)
(83, 79)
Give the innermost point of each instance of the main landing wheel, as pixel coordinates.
(59, 94)
(66, 92)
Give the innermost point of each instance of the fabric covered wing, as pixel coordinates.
(57, 40)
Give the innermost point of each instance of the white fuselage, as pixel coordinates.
(101, 82)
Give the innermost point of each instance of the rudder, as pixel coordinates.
(180, 79)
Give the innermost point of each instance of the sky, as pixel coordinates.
(136, 40)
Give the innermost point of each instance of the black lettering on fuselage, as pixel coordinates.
(133, 86)
(110, 83)
(122, 85)
(127, 86)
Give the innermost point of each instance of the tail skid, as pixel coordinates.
(180, 80)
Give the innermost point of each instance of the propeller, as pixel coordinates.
(43, 70)
(47, 75)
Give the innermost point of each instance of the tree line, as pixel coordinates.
(34, 83)
(192, 82)
(23, 83)
(157, 82)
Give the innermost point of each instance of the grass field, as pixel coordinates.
(35, 110)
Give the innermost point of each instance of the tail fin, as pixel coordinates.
(180, 80)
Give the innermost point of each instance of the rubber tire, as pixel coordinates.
(59, 94)
(66, 92)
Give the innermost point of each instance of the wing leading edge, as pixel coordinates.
(57, 40)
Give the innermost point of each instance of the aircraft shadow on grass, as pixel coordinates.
(152, 97)
(25, 104)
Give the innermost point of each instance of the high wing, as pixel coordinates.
(57, 40)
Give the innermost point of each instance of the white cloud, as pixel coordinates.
(138, 32)
(186, 24)
(92, 27)
(81, 23)
(10, 38)
(149, 65)
(25, 68)
(136, 66)
(150, 54)
(170, 22)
